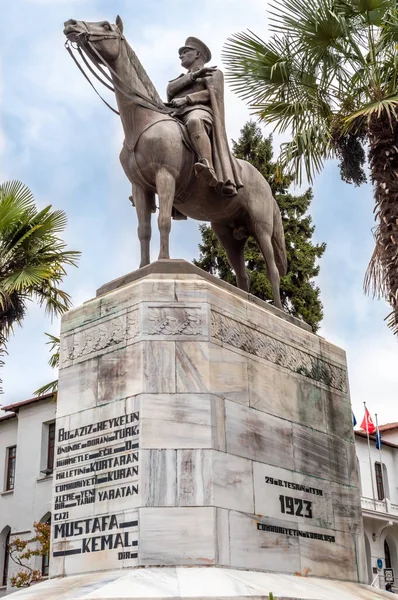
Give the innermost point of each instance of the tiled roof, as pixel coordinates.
(10, 416)
(17, 405)
(388, 426)
(362, 433)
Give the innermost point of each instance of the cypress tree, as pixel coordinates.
(300, 296)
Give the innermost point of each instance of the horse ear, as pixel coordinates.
(119, 23)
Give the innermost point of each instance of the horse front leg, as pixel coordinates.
(144, 201)
(165, 187)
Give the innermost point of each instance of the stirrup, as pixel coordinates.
(203, 170)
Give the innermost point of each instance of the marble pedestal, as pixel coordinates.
(196, 425)
(204, 448)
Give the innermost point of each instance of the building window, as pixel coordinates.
(381, 481)
(11, 458)
(50, 446)
(45, 565)
(45, 561)
(387, 555)
(6, 559)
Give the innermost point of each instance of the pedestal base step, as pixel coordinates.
(195, 583)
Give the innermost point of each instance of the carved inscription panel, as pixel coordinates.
(292, 498)
(96, 489)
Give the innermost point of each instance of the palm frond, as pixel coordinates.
(259, 68)
(26, 278)
(376, 107)
(16, 201)
(54, 343)
(306, 152)
(375, 281)
(55, 301)
(52, 386)
(33, 258)
(315, 23)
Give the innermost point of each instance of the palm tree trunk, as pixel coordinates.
(382, 272)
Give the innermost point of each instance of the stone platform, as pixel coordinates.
(204, 449)
(196, 583)
(197, 425)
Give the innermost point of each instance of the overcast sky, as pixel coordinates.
(58, 138)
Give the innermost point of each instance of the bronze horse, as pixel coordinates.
(157, 159)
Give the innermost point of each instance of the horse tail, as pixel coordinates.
(278, 241)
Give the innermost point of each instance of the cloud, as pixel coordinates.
(56, 2)
(64, 143)
(3, 176)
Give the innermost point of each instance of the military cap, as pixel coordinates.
(194, 44)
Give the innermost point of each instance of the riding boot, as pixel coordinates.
(201, 142)
(206, 172)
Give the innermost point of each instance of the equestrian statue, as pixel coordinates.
(179, 150)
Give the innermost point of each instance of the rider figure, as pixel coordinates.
(198, 98)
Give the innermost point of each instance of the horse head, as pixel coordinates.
(105, 38)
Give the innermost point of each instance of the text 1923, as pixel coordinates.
(296, 506)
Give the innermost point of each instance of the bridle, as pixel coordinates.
(86, 38)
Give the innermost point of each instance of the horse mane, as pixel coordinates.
(142, 74)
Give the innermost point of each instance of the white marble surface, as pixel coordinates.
(253, 549)
(194, 478)
(195, 583)
(176, 421)
(177, 536)
(227, 393)
(119, 374)
(203, 367)
(77, 387)
(158, 481)
(258, 436)
(158, 376)
(316, 453)
(233, 482)
(275, 390)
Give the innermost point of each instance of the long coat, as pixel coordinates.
(208, 93)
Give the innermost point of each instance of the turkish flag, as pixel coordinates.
(367, 423)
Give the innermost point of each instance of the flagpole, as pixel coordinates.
(370, 460)
(380, 460)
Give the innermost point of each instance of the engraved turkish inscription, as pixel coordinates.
(289, 496)
(295, 506)
(107, 532)
(289, 531)
(95, 486)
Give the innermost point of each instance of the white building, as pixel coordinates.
(27, 437)
(27, 432)
(379, 499)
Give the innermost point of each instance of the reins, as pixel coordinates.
(87, 39)
(67, 46)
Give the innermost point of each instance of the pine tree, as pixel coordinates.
(300, 296)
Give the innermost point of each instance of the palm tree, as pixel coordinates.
(329, 76)
(32, 257)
